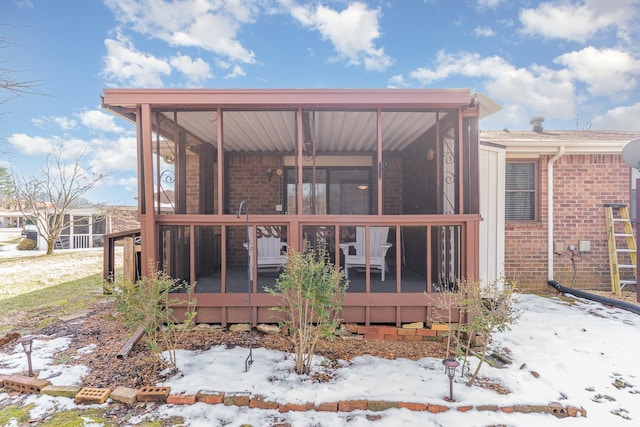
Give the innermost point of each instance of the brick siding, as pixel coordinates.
(582, 185)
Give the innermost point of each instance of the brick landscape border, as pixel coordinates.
(161, 394)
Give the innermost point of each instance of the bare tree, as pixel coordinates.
(49, 198)
(10, 85)
(6, 187)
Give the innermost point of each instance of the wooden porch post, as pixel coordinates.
(380, 165)
(220, 209)
(145, 182)
(300, 166)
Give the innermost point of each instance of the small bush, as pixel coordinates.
(149, 303)
(26, 245)
(312, 290)
(487, 309)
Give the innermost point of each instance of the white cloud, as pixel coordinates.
(126, 65)
(577, 20)
(63, 123)
(620, 118)
(236, 71)
(483, 32)
(129, 183)
(207, 24)
(606, 72)
(109, 155)
(195, 70)
(352, 32)
(521, 91)
(488, 3)
(30, 144)
(95, 119)
(103, 156)
(397, 81)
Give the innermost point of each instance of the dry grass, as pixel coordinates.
(36, 289)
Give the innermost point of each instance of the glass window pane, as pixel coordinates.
(520, 205)
(521, 188)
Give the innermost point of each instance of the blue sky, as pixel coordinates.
(575, 62)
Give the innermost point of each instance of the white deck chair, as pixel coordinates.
(270, 249)
(378, 248)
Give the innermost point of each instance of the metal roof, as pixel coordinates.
(337, 120)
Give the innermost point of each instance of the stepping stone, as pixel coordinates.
(125, 395)
(25, 384)
(69, 391)
(153, 394)
(89, 395)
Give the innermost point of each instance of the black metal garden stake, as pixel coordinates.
(249, 360)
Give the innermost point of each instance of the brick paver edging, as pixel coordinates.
(392, 333)
(161, 394)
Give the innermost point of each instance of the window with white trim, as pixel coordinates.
(521, 186)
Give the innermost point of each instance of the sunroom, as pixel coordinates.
(386, 181)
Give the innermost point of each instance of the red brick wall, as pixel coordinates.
(247, 179)
(582, 185)
(123, 219)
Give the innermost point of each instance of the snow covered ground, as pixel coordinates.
(572, 351)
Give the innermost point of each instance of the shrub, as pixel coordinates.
(486, 308)
(149, 303)
(312, 290)
(493, 310)
(26, 245)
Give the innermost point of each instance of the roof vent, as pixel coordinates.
(536, 123)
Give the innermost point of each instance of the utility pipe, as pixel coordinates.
(597, 298)
(550, 251)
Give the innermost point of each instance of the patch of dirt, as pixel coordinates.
(100, 327)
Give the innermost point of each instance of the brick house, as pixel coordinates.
(388, 168)
(562, 178)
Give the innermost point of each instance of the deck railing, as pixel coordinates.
(443, 248)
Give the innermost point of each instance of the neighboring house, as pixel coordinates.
(85, 229)
(555, 186)
(11, 218)
(87, 226)
(398, 169)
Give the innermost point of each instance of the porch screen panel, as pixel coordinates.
(446, 258)
(208, 258)
(448, 203)
(63, 240)
(257, 256)
(471, 165)
(175, 260)
(80, 224)
(255, 143)
(345, 137)
(354, 260)
(164, 157)
(407, 134)
(337, 190)
(99, 228)
(413, 258)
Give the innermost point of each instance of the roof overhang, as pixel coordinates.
(532, 144)
(343, 120)
(289, 98)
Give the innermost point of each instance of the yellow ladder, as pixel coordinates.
(622, 244)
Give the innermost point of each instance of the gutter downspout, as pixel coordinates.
(550, 251)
